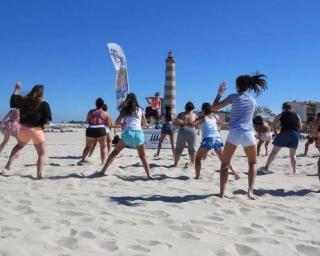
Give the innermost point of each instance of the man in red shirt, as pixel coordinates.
(154, 108)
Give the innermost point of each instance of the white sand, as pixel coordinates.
(123, 214)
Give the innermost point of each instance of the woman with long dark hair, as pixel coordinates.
(34, 114)
(241, 130)
(131, 119)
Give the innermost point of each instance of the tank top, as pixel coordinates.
(154, 104)
(209, 128)
(133, 122)
(96, 119)
(243, 106)
(167, 118)
(289, 121)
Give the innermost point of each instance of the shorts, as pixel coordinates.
(35, 134)
(267, 136)
(212, 143)
(186, 135)
(167, 129)
(133, 138)
(96, 132)
(241, 137)
(289, 139)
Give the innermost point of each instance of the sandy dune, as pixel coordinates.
(125, 214)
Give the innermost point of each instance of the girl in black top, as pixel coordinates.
(288, 137)
(34, 114)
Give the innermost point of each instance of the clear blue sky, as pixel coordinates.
(62, 44)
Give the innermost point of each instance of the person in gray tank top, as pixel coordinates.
(240, 126)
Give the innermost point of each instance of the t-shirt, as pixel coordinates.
(243, 106)
(38, 118)
(289, 121)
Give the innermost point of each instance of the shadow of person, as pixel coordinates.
(277, 192)
(159, 177)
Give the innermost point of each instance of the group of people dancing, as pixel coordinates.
(29, 114)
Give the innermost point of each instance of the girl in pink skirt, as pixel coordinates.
(10, 126)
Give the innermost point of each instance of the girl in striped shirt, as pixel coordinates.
(240, 126)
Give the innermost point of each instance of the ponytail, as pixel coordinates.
(256, 83)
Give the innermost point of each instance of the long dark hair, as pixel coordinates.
(130, 105)
(206, 108)
(32, 101)
(256, 83)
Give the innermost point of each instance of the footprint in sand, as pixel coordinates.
(87, 235)
(188, 236)
(68, 242)
(246, 250)
(23, 209)
(308, 250)
(264, 240)
(108, 245)
(244, 231)
(215, 218)
(153, 243)
(161, 214)
(139, 248)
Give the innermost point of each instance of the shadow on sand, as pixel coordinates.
(132, 200)
(64, 157)
(278, 192)
(155, 177)
(152, 165)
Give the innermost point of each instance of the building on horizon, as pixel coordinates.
(265, 113)
(306, 109)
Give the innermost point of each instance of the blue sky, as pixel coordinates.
(62, 44)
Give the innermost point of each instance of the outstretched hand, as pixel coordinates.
(222, 88)
(18, 85)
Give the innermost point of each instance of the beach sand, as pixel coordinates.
(126, 214)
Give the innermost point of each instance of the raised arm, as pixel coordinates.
(17, 88)
(275, 122)
(217, 104)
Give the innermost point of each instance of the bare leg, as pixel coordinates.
(266, 146)
(260, 142)
(306, 147)
(162, 136)
(251, 153)
(199, 156)
(176, 159)
(293, 159)
(109, 142)
(103, 149)
(119, 147)
(143, 158)
(171, 137)
(93, 148)
(88, 147)
(14, 154)
(41, 150)
(4, 142)
(220, 156)
(228, 152)
(319, 168)
(272, 156)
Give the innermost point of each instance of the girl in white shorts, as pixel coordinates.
(240, 125)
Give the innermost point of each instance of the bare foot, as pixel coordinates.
(197, 178)
(224, 196)
(80, 163)
(156, 155)
(237, 176)
(7, 167)
(251, 195)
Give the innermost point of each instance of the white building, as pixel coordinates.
(305, 109)
(265, 113)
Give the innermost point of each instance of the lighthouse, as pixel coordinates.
(170, 83)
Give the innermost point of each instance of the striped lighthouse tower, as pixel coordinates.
(170, 83)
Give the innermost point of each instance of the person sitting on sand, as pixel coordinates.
(131, 119)
(311, 122)
(96, 118)
(108, 125)
(34, 114)
(288, 137)
(10, 124)
(186, 134)
(167, 129)
(263, 133)
(240, 126)
(154, 108)
(211, 138)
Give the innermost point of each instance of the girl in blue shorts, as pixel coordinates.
(211, 138)
(131, 119)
